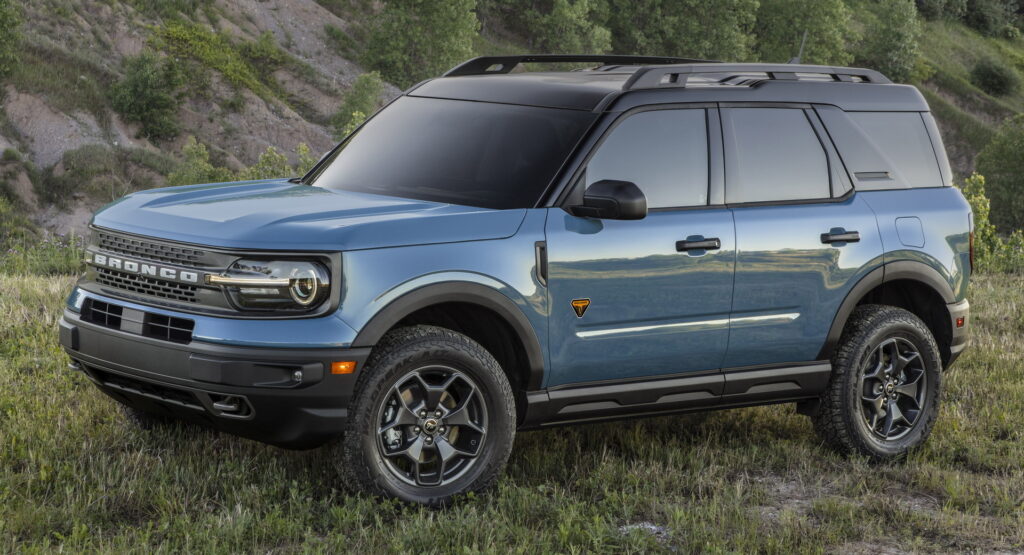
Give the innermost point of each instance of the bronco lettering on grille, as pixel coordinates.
(142, 268)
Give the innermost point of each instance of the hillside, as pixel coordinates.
(246, 75)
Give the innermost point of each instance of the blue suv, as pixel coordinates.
(502, 250)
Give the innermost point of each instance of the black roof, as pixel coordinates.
(656, 80)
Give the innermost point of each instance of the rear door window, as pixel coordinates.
(773, 154)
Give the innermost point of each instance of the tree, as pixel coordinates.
(271, 165)
(569, 27)
(990, 17)
(688, 28)
(1003, 166)
(362, 99)
(781, 25)
(148, 94)
(10, 19)
(890, 44)
(417, 39)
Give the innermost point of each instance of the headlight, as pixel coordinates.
(274, 284)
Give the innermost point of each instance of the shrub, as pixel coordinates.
(191, 41)
(781, 25)
(416, 39)
(196, 167)
(942, 9)
(690, 28)
(362, 99)
(1003, 166)
(148, 94)
(992, 253)
(989, 17)
(568, 27)
(995, 78)
(890, 45)
(10, 19)
(263, 54)
(272, 164)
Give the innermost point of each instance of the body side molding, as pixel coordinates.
(461, 292)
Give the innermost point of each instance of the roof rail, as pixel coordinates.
(676, 76)
(485, 65)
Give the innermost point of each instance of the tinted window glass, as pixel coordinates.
(903, 139)
(458, 152)
(772, 154)
(665, 152)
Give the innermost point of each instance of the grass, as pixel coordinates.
(75, 476)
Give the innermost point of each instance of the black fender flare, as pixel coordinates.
(461, 292)
(892, 271)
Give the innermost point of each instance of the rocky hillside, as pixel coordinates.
(58, 129)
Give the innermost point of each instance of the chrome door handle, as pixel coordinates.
(709, 244)
(840, 237)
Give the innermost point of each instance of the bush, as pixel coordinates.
(942, 9)
(568, 27)
(781, 25)
(992, 253)
(10, 19)
(1003, 166)
(361, 100)
(990, 17)
(416, 39)
(148, 94)
(890, 45)
(271, 165)
(719, 30)
(995, 78)
(196, 167)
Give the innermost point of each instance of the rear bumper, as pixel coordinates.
(961, 334)
(285, 397)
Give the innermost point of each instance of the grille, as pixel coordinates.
(168, 328)
(146, 285)
(149, 250)
(104, 314)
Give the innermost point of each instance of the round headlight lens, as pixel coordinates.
(304, 288)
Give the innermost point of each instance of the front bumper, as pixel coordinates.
(961, 335)
(253, 392)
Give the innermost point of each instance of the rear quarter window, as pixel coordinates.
(884, 150)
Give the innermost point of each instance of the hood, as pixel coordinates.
(278, 215)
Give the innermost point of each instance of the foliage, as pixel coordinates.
(781, 25)
(1002, 165)
(149, 95)
(10, 37)
(990, 17)
(169, 8)
(721, 30)
(305, 158)
(195, 167)
(416, 39)
(340, 40)
(992, 253)
(942, 9)
(568, 27)
(214, 50)
(263, 54)
(272, 164)
(995, 77)
(363, 98)
(890, 43)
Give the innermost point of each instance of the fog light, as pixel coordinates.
(343, 367)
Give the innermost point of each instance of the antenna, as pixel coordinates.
(800, 55)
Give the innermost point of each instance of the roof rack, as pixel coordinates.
(493, 65)
(677, 75)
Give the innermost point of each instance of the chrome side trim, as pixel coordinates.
(701, 324)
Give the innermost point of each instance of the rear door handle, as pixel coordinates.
(709, 244)
(840, 236)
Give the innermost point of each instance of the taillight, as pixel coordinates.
(972, 251)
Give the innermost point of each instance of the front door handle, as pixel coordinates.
(709, 244)
(840, 236)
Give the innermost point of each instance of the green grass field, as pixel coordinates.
(75, 476)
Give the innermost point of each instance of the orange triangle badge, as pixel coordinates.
(580, 306)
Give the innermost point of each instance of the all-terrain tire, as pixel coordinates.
(844, 418)
(427, 351)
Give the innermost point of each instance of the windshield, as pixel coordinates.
(457, 152)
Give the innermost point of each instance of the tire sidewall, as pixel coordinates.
(926, 347)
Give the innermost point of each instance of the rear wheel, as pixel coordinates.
(433, 417)
(883, 396)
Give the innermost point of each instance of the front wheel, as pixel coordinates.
(883, 396)
(433, 417)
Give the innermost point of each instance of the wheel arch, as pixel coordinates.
(466, 294)
(908, 284)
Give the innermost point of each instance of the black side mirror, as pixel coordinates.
(612, 200)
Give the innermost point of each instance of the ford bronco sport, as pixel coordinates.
(501, 250)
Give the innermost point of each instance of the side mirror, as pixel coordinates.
(612, 200)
